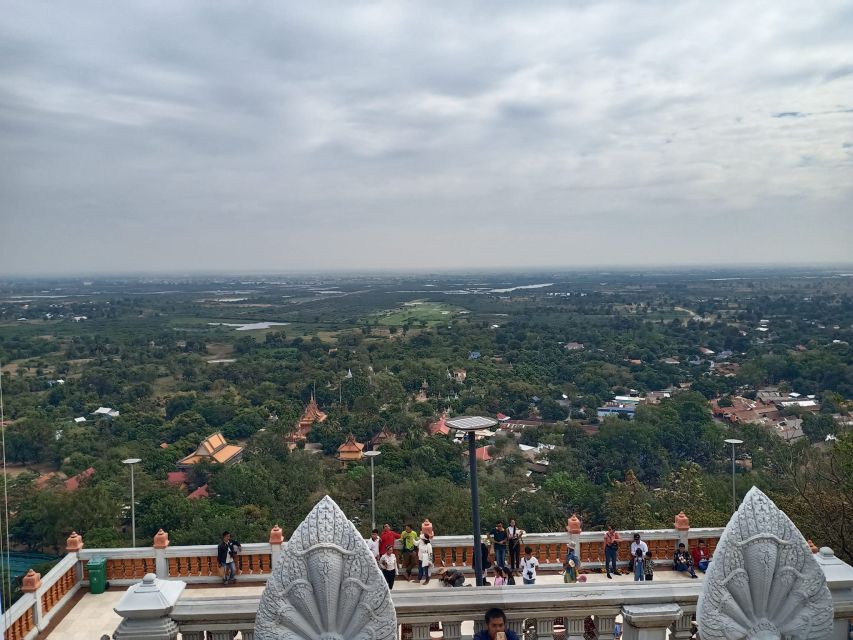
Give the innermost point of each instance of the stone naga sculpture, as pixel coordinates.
(326, 586)
(763, 583)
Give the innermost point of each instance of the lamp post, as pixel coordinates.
(372, 454)
(131, 462)
(470, 426)
(734, 442)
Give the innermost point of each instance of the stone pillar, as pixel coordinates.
(648, 621)
(574, 628)
(161, 563)
(682, 528)
(276, 542)
(31, 583)
(682, 628)
(604, 626)
(453, 630)
(516, 625)
(544, 628)
(72, 545)
(573, 527)
(145, 608)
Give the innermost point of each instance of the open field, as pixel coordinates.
(418, 311)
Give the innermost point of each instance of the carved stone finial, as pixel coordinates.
(30, 582)
(326, 585)
(763, 583)
(573, 524)
(276, 535)
(161, 539)
(682, 522)
(74, 542)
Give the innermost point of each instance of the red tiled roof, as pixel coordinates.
(176, 478)
(482, 454)
(439, 426)
(201, 492)
(72, 484)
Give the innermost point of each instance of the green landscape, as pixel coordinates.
(394, 355)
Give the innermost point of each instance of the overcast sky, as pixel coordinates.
(258, 136)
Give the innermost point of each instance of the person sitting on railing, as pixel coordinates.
(701, 556)
(226, 554)
(495, 627)
(682, 561)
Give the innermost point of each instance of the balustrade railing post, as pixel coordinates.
(682, 628)
(420, 631)
(649, 621)
(604, 626)
(453, 630)
(574, 628)
(161, 563)
(516, 625)
(31, 583)
(276, 544)
(544, 628)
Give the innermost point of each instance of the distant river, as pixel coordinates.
(526, 286)
(254, 326)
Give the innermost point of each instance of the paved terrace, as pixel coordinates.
(59, 606)
(92, 615)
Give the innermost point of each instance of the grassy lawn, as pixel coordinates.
(417, 311)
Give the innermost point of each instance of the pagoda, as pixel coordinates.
(351, 451)
(311, 415)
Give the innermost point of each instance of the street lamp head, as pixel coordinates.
(372, 454)
(471, 424)
(131, 460)
(733, 441)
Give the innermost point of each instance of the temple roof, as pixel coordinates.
(215, 449)
(350, 445)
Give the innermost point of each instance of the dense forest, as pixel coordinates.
(168, 357)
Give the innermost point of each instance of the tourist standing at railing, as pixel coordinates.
(495, 627)
(639, 568)
(388, 564)
(638, 544)
(649, 567)
(498, 537)
(500, 579)
(226, 555)
(387, 537)
(514, 536)
(571, 565)
(611, 550)
(409, 555)
(529, 564)
(373, 544)
(425, 557)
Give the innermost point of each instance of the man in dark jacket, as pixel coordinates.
(495, 624)
(226, 555)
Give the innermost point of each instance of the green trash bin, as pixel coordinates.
(97, 575)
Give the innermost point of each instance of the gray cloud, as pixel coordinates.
(261, 136)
